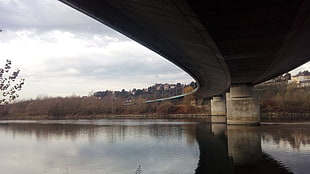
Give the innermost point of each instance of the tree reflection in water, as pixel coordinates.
(222, 149)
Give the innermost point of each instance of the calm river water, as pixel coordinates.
(154, 147)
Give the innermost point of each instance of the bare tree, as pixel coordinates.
(9, 85)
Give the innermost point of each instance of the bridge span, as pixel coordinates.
(226, 46)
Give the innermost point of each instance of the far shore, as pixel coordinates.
(205, 117)
(265, 117)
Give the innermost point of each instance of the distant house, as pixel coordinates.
(157, 87)
(294, 79)
(279, 80)
(305, 83)
(302, 80)
(166, 86)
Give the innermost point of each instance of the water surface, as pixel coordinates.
(161, 146)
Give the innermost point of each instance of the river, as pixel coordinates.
(152, 147)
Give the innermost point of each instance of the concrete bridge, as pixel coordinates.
(226, 46)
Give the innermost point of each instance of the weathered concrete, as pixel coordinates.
(218, 109)
(218, 119)
(242, 105)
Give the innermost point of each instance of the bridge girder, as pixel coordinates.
(219, 43)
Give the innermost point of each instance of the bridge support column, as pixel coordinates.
(242, 106)
(218, 109)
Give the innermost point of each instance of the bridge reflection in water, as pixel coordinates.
(227, 149)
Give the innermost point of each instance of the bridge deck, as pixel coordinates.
(219, 43)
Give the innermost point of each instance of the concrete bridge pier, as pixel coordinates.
(242, 105)
(218, 109)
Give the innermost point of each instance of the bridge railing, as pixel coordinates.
(166, 98)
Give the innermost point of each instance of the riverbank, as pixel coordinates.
(265, 117)
(205, 117)
(284, 116)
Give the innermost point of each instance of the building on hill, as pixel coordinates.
(156, 91)
(302, 80)
(277, 81)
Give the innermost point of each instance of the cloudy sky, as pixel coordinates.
(61, 52)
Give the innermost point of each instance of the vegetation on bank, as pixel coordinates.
(283, 98)
(89, 107)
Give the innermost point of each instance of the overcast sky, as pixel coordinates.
(61, 52)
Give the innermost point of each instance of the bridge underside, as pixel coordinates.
(219, 43)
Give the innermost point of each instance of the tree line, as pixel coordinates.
(285, 98)
(112, 103)
(278, 98)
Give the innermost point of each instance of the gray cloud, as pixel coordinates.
(46, 15)
(123, 66)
